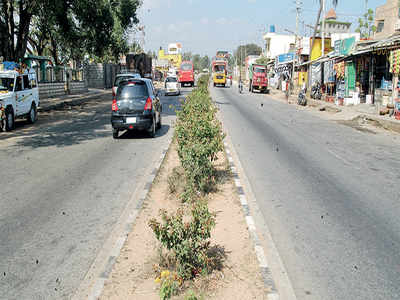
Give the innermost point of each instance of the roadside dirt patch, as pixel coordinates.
(238, 278)
(362, 124)
(330, 109)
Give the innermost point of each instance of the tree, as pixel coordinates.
(262, 60)
(187, 56)
(69, 28)
(196, 61)
(246, 50)
(15, 20)
(204, 62)
(334, 3)
(135, 48)
(366, 25)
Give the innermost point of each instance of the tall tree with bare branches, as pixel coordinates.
(334, 3)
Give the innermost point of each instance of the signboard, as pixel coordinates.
(348, 46)
(316, 51)
(338, 47)
(285, 58)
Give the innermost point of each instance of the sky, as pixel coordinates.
(205, 26)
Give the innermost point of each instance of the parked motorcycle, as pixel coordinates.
(316, 91)
(301, 99)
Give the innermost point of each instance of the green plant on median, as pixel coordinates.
(186, 232)
(169, 284)
(188, 240)
(200, 138)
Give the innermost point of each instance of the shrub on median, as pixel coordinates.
(186, 235)
(200, 138)
(188, 240)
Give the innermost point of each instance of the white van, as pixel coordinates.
(19, 96)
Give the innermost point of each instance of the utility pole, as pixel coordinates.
(296, 37)
(323, 28)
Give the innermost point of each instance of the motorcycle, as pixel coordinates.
(316, 91)
(301, 99)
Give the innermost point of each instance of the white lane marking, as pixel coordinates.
(237, 183)
(97, 289)
(250, 223)
(261, 256)
(243, 199)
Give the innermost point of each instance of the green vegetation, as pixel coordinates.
(199, 62)
(186, 232)
(199, 139)
(246, 50)
(66, 29)
(366, 26)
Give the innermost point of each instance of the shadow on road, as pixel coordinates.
(136, 134)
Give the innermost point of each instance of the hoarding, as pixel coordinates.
(285, 58)
(316, 51)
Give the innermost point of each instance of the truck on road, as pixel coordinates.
(219, 72)
(258, 78)
(186, 73)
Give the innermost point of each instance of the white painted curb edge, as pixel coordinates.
(272, 293)
(98, 286)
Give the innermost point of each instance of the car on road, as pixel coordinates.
(19, 97)
(136, 106)
(121, 77)
(172, 86)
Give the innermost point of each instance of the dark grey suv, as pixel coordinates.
(136, 106)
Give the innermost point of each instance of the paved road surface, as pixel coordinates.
(64, 184)
(329, 194)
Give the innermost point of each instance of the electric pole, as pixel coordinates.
(296, 37)
(323, 28)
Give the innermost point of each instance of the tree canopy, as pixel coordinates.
(366, 25)
(66, 29)
(245, 50)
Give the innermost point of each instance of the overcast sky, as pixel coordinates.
(204, 26)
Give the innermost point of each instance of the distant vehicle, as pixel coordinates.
(19, 97)
(229, 80)
(172, 86)
(122, 77)
(205, 71)
(222, 54)
(186, 73)
(136, 106)
(219, 70)
(139, 63)
(258, 78)
(172, 72)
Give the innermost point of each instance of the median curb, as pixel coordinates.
(266, 274)
(99, 283)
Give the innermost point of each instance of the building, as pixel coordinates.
(387, 19)
(333, 26)
(276, 44)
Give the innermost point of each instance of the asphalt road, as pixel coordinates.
(329, 194)
(64, 183)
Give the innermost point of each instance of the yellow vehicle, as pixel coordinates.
(219, 72)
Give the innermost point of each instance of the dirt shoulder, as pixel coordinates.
(133, 276)
(345, 115)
